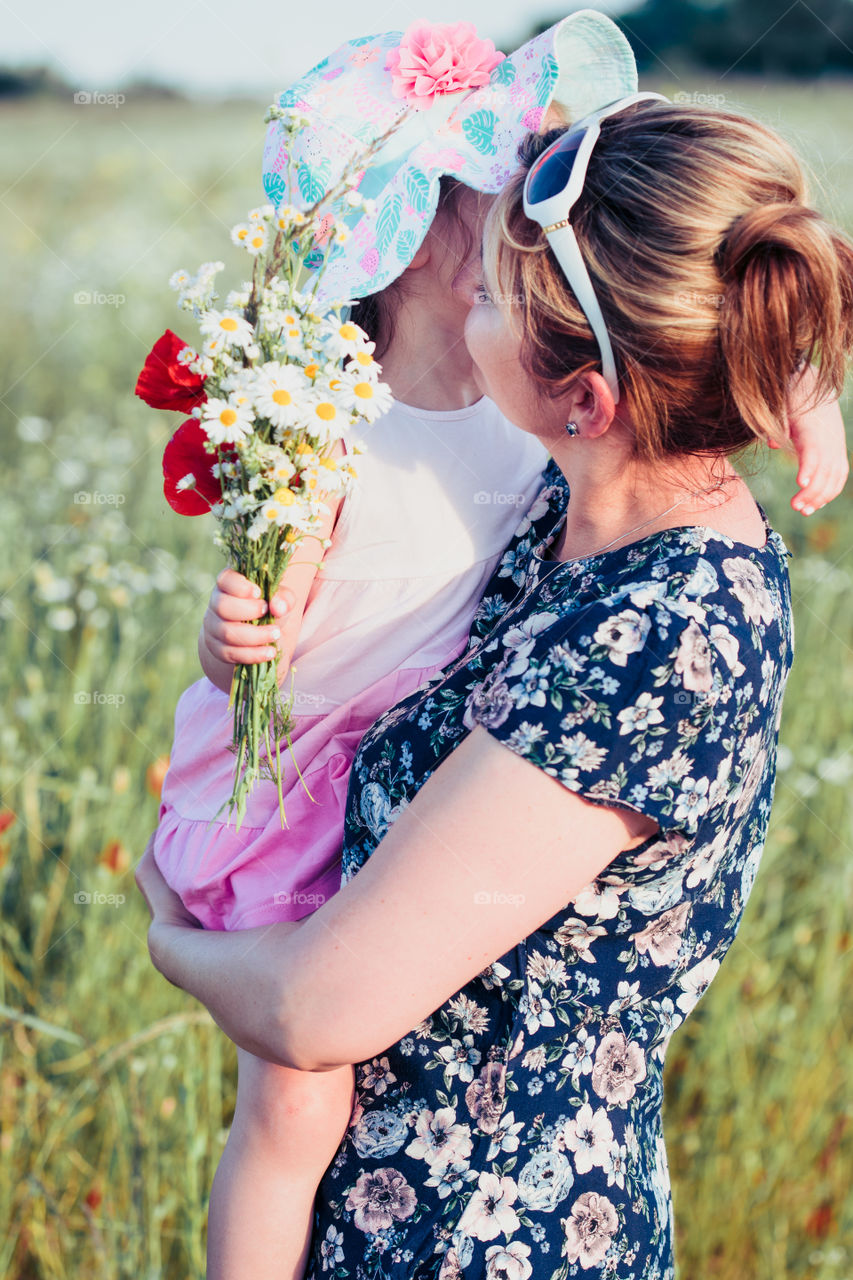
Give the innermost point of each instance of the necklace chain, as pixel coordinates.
(695, 493)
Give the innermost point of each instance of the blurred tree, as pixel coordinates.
(804, 38)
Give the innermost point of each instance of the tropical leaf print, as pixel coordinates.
(479, 129)
(417, 185)
(406, 246)
(504, 73)
(387, 222)
(547, 80)
(312, 181)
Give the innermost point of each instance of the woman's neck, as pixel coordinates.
(612, 508)
(427, 364)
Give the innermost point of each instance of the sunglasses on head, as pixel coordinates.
(551, 188)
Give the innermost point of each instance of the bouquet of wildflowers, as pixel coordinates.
(272, 389)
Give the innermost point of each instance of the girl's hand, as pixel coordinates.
(229, 635)
(163, 903)
(817, 434)
(228, 629)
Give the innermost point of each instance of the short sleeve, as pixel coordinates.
(624, 705)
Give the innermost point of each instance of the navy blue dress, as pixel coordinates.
(516, 1132)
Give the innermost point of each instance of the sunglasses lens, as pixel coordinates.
(551, 172)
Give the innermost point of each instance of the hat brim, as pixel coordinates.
(580, 64)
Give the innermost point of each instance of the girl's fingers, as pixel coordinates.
(233, 655)
(241, 634)
(235, 584)
(282, 601)
(233, 608)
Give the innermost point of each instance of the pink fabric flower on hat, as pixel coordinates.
(437, 58)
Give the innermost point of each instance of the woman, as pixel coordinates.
(555, 838)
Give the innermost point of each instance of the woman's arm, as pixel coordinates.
(489, 849)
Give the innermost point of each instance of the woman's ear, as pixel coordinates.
(589, 403)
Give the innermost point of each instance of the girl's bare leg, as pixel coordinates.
(287, 1126)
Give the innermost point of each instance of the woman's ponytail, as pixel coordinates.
(787, 298)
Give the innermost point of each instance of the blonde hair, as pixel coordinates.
(715, 278)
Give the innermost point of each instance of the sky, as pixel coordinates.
(213, 47)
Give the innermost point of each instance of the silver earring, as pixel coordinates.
(572, 429)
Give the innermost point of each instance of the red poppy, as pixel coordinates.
(164, 382)
(185, 454)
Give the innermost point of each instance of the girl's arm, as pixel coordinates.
(817, 434)
(228, 634)
(488, 850)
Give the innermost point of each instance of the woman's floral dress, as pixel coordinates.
(516, 1132)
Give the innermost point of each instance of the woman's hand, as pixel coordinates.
(817, 434)
(163, 903)
(166, 908)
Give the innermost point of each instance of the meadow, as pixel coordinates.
(116, 1089)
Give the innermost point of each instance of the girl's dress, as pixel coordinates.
(516, 1131)
(437, 498)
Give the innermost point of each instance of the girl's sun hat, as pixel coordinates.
(468, 108)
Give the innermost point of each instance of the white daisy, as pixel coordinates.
(325, 417)
(225, 329)
(240, 233)
(256, 241)
(227, 421)
(281, 394)
(288, 217)
(368, 398)
(345, 339)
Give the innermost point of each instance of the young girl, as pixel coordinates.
(443, 485)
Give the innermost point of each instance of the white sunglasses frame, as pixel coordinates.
(553, 216)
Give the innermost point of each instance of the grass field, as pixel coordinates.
(116, 1090)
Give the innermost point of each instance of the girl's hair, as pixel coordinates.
(715, 279)
(375, 313)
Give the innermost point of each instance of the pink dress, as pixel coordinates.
(438, 497)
